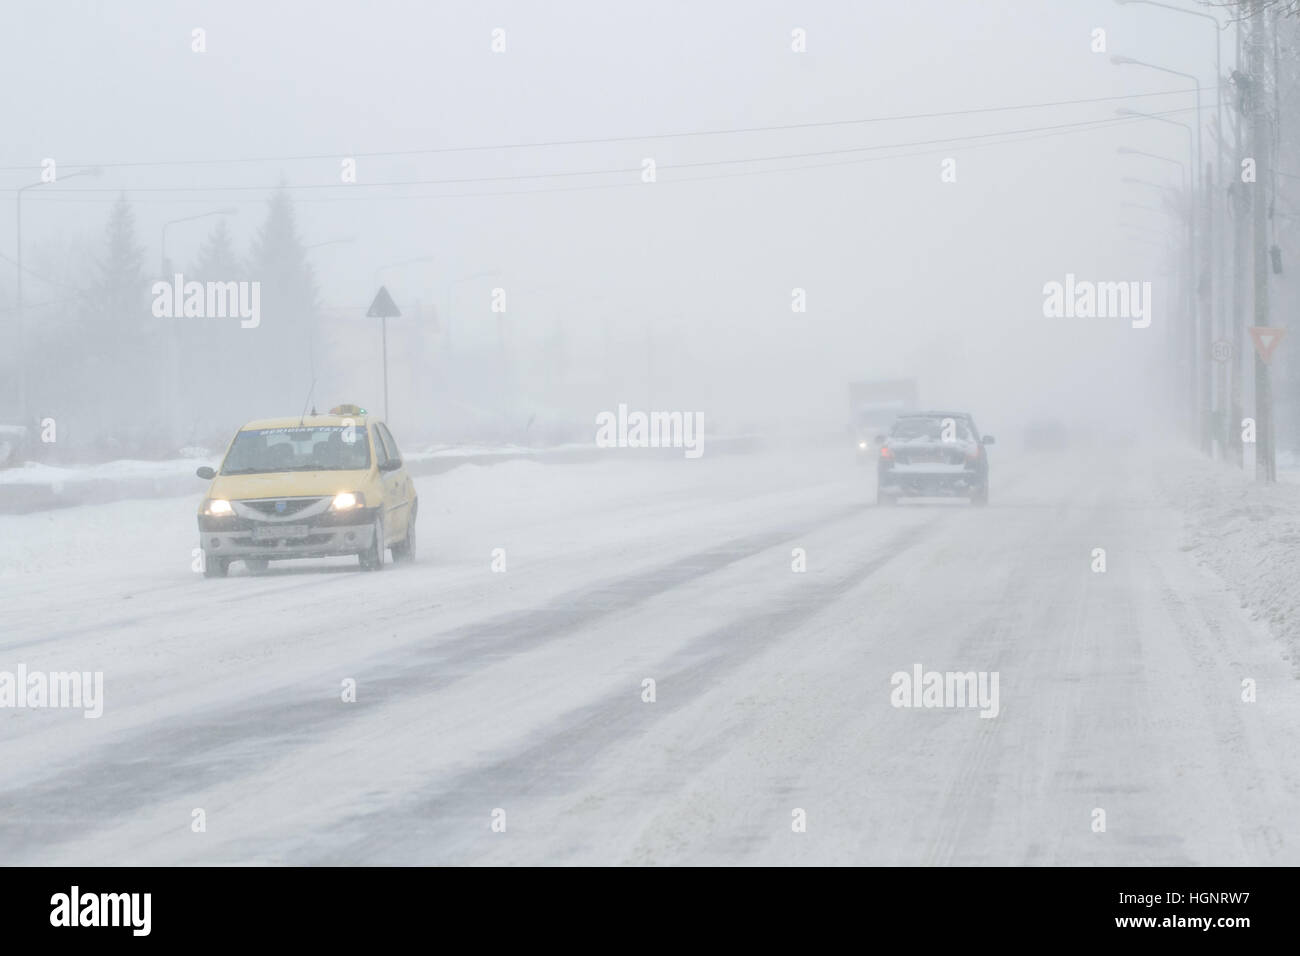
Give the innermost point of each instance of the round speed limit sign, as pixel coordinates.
(1221, 350)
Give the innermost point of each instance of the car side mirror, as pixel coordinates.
(206, 472)
(988, 440)
(391, 465)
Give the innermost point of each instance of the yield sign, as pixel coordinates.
(383, 307)
(1266, 339)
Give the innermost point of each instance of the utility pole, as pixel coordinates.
(1205, 288)
(1240, 210)
(1193, 328)
(20, 339)
(1265, 459)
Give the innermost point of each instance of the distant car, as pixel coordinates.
(311, 487)
(867, 437)
(863, 455)
(933, 454)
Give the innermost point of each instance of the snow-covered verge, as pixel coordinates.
(37, 487)
(1288, 467)
(1249, 534)
(35, 473)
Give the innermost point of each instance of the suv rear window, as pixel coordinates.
(930, 428)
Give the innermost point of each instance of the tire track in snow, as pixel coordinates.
(154, 764)
(423, 828)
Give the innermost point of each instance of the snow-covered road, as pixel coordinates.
(517, 696)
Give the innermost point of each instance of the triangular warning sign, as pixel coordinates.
(1266, 339)
(383, 307)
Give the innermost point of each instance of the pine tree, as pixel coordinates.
(283, 346)
(217, 260)
(211, 348)
(130, 340)
(121, 285)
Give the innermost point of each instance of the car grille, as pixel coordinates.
(272, 544)
(280, 506)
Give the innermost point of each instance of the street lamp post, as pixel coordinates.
(162, 245)
(1193, 377)
(1129, 61)
(1217, 254)
(1144, 182)
(1129, 151)
(1200, 322)
(1218, 62)
(1191, 238)
(330, 242)
(21, 336)
(1191, 156)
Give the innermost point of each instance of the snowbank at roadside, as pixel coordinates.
(37, 487)
(34, 473)
(1248, 534)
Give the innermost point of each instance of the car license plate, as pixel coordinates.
(280, 531)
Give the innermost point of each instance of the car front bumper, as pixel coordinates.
(321, 537)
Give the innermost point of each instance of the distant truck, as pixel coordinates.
(873, 406)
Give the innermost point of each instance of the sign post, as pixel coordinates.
(383, 308)
(1266, 339)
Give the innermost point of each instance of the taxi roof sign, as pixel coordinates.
(347, 410)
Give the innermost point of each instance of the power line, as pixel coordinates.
(599, 140)
(519, 177)
(1100, 124)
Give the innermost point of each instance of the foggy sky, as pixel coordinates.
(905, 275)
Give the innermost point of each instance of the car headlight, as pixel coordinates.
(347, 500)
(862, 445)
(217, 507)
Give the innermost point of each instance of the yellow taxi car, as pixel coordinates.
(310, 487)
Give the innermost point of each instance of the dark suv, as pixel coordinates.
(933, 454)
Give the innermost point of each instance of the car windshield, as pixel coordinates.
(315, 448)
(931, 428)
